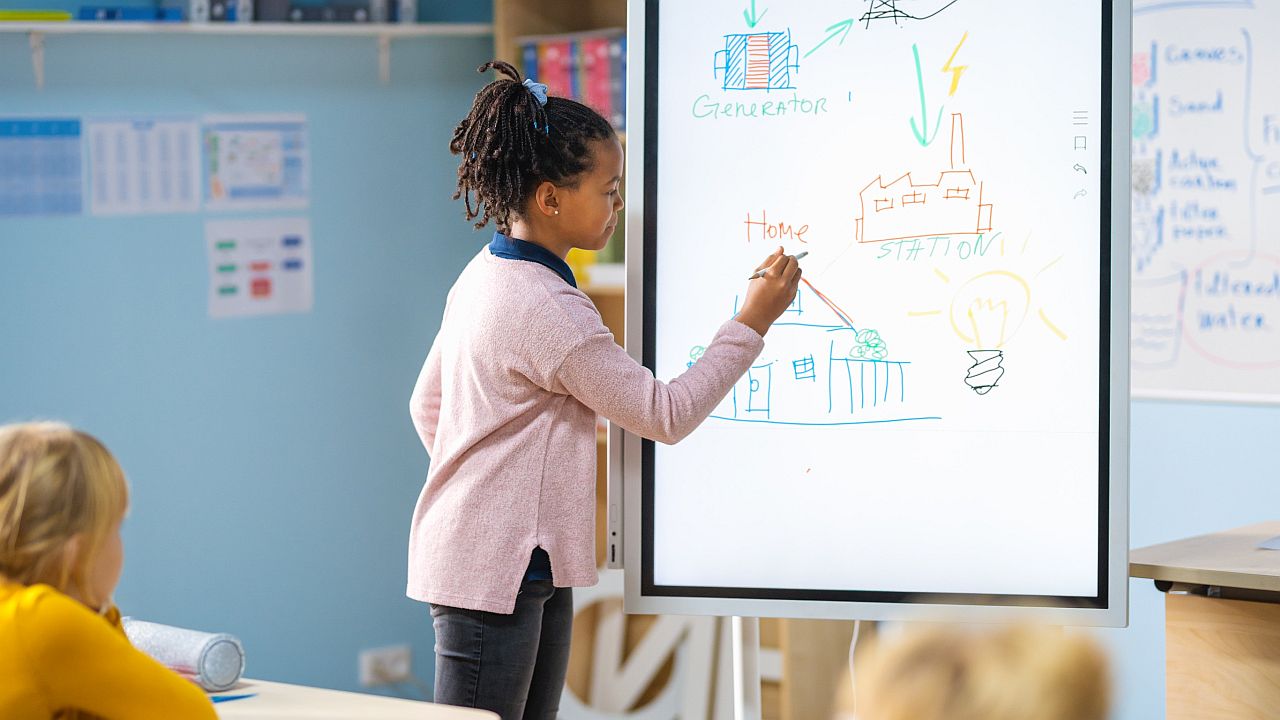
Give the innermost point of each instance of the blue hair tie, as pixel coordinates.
(539, 91)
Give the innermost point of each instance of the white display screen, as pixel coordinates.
(928, 421)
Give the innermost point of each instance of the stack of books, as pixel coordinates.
(589, 67)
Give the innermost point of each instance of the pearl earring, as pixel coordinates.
(557, 212)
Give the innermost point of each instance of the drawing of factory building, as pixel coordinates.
(952, 204)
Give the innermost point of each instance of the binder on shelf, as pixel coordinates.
(618, 81)
(271, 11)
(357, 12)
(220, 10)
(555, 69)
(99, 13)
(34, 15)
(597, 91)
(406, 11)
(529, 58)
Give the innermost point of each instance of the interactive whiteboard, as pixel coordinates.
(1206, 200)
(938, 423)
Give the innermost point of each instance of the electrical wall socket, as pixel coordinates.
(385, 665)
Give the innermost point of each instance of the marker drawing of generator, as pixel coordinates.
(757, 61)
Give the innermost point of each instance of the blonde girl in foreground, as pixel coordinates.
(63, 653)
(1002, 673)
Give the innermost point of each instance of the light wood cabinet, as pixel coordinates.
(1222, 622)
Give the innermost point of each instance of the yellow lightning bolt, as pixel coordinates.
(957, 70)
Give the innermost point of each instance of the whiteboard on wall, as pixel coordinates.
(938, 424)
(1206, 200)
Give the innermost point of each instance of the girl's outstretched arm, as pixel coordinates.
(606, 379)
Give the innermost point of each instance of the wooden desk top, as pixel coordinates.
(1225, 559)
(278, 701)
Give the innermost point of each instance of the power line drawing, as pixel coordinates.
(757, 61)
(888, 10)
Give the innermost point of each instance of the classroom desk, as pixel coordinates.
(1222, 622)
(278, 701)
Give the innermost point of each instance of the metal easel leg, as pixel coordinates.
(746, 668)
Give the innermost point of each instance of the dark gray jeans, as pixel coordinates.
(515, 664)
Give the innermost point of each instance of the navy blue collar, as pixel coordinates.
(513, 249)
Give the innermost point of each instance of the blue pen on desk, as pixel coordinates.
(760, 273)
(229, 698)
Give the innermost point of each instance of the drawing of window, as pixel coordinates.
(913, 198)
(884, 204)
(759, 388)
(757, 61)
(795, 306)
(956, 193)
(804, 369)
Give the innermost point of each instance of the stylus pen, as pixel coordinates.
(760, 273)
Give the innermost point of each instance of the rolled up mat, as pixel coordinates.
(214, 661)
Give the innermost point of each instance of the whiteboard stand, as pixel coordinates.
(746, 668)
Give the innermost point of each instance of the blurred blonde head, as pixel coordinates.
(1005, 673)
(62, 497)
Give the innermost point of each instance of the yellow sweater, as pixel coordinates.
(58, 655)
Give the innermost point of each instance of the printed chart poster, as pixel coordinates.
(144, 165)
(259, 267)
(256, 162)
(41, 168)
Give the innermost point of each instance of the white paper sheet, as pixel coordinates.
(259, 267)
(144, 165)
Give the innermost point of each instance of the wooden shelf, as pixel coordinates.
(520, 18)
(384, 33)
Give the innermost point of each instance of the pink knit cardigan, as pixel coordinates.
(506, 406)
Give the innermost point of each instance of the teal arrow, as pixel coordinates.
(841, 28)
(751, 17)
(923, 131)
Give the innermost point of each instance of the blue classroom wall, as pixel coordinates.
(273, 464)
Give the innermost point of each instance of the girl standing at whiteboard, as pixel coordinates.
(507, 400)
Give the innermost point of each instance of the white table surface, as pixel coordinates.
(279, 701)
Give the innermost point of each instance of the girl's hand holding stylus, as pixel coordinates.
(770, 295)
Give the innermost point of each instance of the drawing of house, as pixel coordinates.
(904, 208)
(818, 369)
(757, 61)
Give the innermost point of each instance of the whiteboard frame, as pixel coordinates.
(1206, 397)
(627, 450)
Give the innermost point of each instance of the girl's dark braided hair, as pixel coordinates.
(510, 143)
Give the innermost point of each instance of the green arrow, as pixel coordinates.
(923, 131)
(841, 28)
(751, 17)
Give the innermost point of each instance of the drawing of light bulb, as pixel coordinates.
(986, 313)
